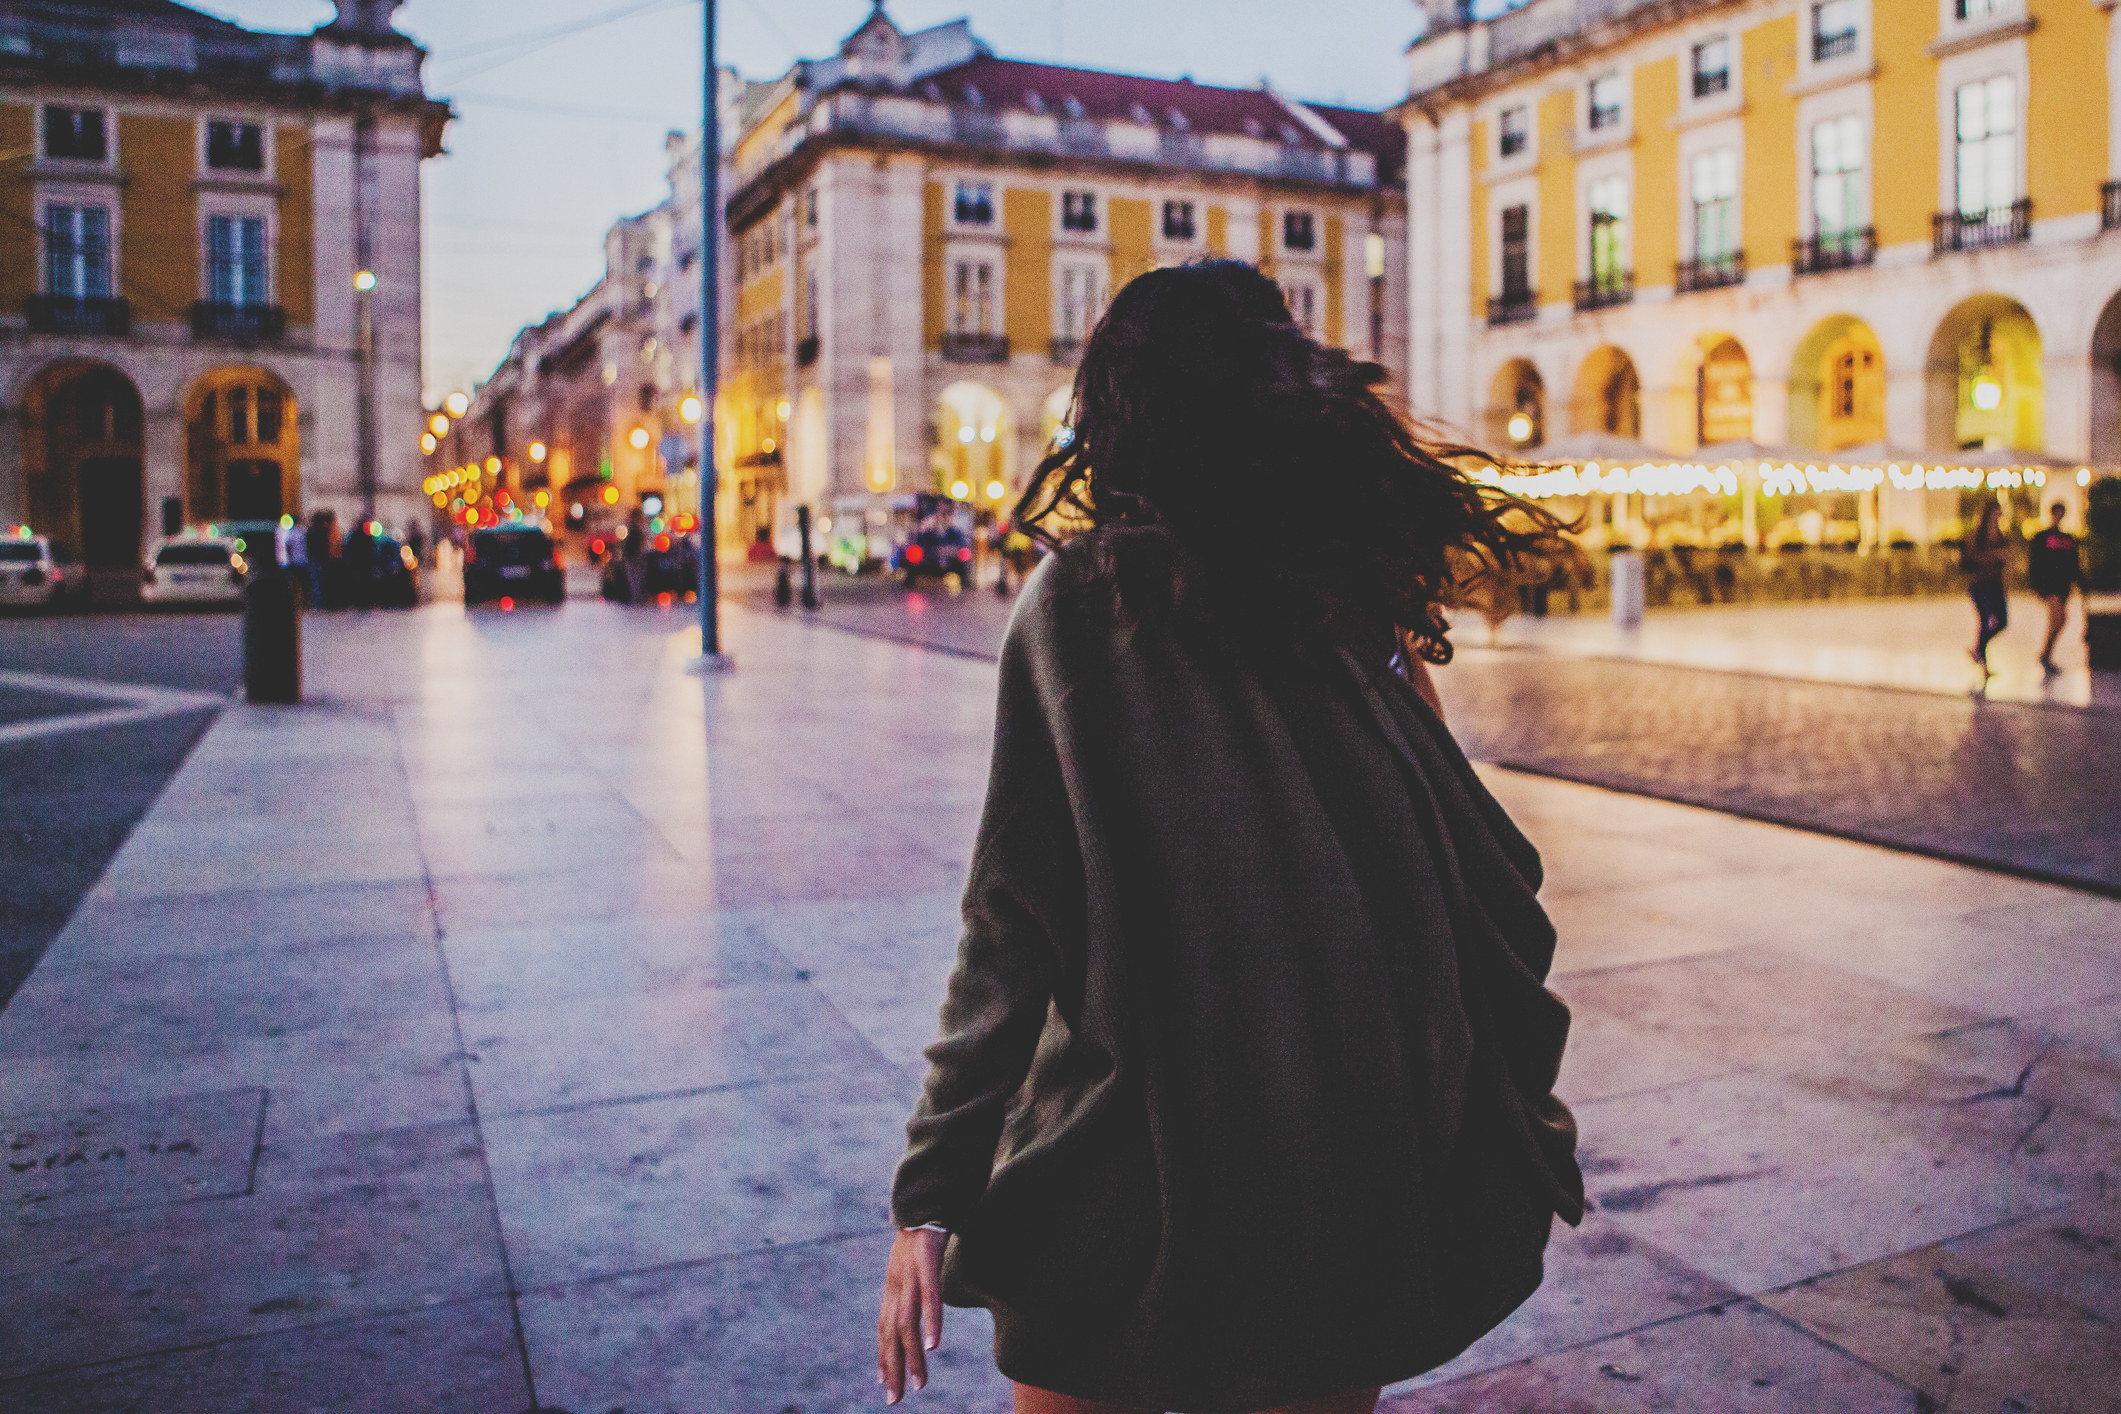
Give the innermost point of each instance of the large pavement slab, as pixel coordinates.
(525, 1021)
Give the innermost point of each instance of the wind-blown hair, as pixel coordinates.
(1309, 506)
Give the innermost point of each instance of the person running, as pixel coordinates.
(2053, 567)
(1984, 558)
(1243, 1098)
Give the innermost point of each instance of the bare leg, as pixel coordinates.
(2057, 615)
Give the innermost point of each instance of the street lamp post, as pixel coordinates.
(711, 655)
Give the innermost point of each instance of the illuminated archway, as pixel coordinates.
(974, 439)
(242, 447)
(1723, 391)
(82, 462)
(1608, 395)
(1837, 386)
(1517, 407)
(1983, 381)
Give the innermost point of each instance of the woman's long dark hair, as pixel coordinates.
(1307, 503)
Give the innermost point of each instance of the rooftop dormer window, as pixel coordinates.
(1177, 119)
(1140, 114)
(1254, 128)
(1290, 136)
(1035, 102)
(973, 96)
(1072, 106)
(932, 91)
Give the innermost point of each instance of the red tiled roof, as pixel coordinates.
(1240, 112)
(1373, 132)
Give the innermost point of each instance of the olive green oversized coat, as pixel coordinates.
(1244, 1089)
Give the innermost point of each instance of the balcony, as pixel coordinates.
(238, 323)
(1606, 291)
(63, 314)
(1982, 230)
(806, 351)
(1833, 46)
(1710, 272)
(1513, 307)
(2110, 206)
(976, 348)
(1834, 250)
(1065, 353)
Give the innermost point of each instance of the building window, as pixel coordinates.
(975, 203)
(972, 308)
(268, 416)
(235, 147)
(1608, 202)
(1712, 66)
(1976, 9)
(1837, 176)
(1605, 102)
(1987, 165)
(235, 261)
(810, 208)
(1079, 211)
(1303, 305)
(1833, 29)
(1715, 196)
(77, 252)
(1516, 130)
(1299, 230)
(1178, 220)
(75, 135)
(239, 416)
(1082, 300)
(1516, 254)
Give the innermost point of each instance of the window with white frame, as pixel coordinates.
(1837, 177)
(77, 252)
(235, 147)
(973, 308)
(235, 261)
(1082, 301)
(1079, 212)
(1976, 9)
(1299, 230)
(1713, 178)
(1606, 96)
(1986, 158)
(1834, 25)
(1608, 202)
(1304, 304)
(1517, 254)
(1515, 130)
(1178, 221)
(75, 134)
(1712, 67)
(975, 204)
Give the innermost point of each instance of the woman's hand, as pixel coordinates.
(910, 1322)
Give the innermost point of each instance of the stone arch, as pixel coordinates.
(1983, 382)
(1516, 416)
(242, 446)
(1837, 386)
(1608, 394)
(1723, 390)
(975, 437)
(82, 462)
(2106, 383)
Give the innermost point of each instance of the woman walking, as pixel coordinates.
(2055, 571)
(1243, 1099)
(1984, 558)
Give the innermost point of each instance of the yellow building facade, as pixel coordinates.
(1860, 228)
(923, 236)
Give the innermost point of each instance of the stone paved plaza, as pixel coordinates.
(526, 1023)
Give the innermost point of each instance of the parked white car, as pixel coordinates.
(194, 571)
(29, 574)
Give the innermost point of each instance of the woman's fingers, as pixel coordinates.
(909, 1332)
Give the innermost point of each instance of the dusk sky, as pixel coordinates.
(563, 105)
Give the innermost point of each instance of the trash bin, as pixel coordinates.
(1630, 584)
(272, 636)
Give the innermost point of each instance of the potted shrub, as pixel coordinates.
(2102, 599)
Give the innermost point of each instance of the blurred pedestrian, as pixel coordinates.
(2056, 571)
(1983, 558)
(631, 551)
(1243, 1098)
(357, 564)
(321, 549)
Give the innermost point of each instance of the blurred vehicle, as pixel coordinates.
(29, 574)
(513, 562)
(940, 543)
(668, 564)
(194, 571)
(391, 579)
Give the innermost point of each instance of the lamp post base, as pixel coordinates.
(708, 664)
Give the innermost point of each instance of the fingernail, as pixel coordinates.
(919, 1383)
(930, 1343)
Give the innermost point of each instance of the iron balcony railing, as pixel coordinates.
(1982, 230)
(1710, 272)
(1065, 353)
(1530, 27)
(1833, 250)
(1513, 307)
(1833, 46)
(1605, 291)
(976, 348)
(2110, 206)
(65, 314)
(238, 323)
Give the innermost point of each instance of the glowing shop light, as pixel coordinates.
(1520, 428)
(986, 434)
(959, 490)
(537, 451)
(966, 434)
(781, 409)
(364, 280)
(692, 409)
(438, 425)
(493, 466)
(638, 439)
(1988, 394)
(995, 490)
(428, 443)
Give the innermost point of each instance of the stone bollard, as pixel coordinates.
(272, 636)
(1630, 587)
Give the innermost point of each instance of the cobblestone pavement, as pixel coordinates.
(523, 1023)
(2011, 785)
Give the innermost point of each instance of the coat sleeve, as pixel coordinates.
(1022, 909)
